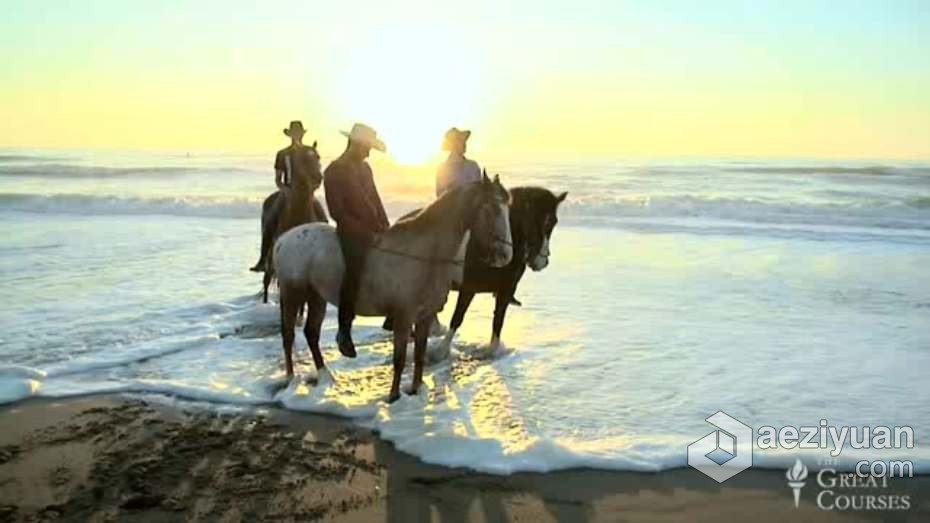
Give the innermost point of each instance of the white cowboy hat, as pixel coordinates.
(361, 133)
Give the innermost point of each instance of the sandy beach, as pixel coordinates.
(111, 458)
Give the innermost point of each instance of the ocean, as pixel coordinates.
(780, 292)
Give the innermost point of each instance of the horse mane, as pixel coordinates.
(533, 194)
(435, 211)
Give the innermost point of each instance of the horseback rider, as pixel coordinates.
(456, 170)
(354, 203)
(288, 163)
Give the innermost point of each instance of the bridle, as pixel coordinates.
(433, 260)
(425, 259)
(533, 235)
(497, 239)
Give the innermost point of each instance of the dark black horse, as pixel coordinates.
(532, 219)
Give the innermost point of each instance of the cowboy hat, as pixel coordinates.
(293, 124)
(454, 135)
(363, 134)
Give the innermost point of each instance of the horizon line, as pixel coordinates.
(522, 157)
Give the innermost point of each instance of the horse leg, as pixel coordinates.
(421, 334)
(269, 273)
(316, 311)
(501, 301)
(288, 306)
(461, 307)
(266, 282)
(401, 334)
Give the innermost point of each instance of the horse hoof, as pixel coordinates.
(392, 397)
(346, 347)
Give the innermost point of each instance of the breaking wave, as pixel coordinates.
(65, 170)
(827, 169)
(909, 213)
(85, 204)
(913, 213)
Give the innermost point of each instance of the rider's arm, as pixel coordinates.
(382, 215)
(279, 167)
(336, 191)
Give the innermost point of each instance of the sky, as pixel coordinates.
(547, 80)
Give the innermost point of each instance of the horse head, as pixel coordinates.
(535, 216)
(490, 221)
(308, 165)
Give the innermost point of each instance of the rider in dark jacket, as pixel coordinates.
(356, 207)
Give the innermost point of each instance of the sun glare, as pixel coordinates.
(411, 85)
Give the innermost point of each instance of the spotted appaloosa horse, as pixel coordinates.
(533, 216)
(407, 273)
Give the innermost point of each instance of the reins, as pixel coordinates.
(427, 259)
(424, 259)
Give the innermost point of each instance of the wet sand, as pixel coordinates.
(110, 458)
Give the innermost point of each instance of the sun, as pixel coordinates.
(411, 85)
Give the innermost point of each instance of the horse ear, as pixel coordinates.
(561, 198)
(484, 176)
(314, 144)
(497, 179)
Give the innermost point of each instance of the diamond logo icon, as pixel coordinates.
(724, 452)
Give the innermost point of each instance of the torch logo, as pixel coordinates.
(796, 476)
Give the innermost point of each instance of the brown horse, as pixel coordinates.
(300, 206)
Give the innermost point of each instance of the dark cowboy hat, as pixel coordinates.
(452, 136)
(295, 124)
